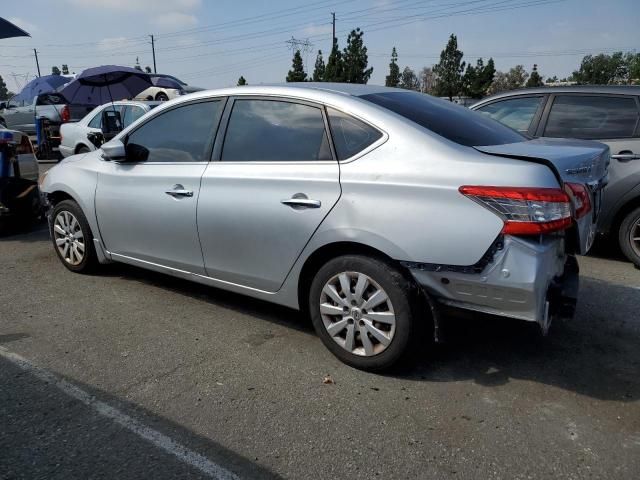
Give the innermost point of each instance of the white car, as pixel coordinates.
(74, 136)
(165, 87)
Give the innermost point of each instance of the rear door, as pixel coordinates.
(274, 181)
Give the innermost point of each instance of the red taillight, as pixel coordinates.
(65, 115)
(581, 199)
(525, 210)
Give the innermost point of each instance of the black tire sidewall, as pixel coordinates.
(623, 236)
(399, 291)
(90, 260)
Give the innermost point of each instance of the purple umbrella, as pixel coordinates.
(9, 30)
(100, 85)
(39, 85)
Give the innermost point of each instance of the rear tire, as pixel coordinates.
(353, 323)
(162, 97)
(83, 149)
(72, 238)
(629, 236)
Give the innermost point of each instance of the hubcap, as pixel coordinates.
(357, 313)
(68, 237)
(634, 237)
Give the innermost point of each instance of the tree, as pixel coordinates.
(515, 78)
(297, 73)
(633, 66)
(334, 71)
(355, 59)
(553, 79)
(4, 92)
(477, 80)
(147, 69)
(242, 81)
(535, 80)
(319, 68)
(393, 79)
(65, 69)
(409, 80)
(449, 69)
(602, 70)
(55, 70)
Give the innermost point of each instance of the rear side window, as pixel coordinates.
(96, 121)
(517, 113)
(592, 117)
(350, 135)
(451, 121)
(182, 134)
(274, 131)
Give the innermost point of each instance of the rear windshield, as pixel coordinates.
(51, 99)
(451, 121)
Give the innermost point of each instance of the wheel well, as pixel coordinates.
(79, 146)
(57, 197)
(325, 253)
(622, 212)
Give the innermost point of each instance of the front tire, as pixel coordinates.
(629, 236)
(162, 97)
(364, 311)
(72, 237)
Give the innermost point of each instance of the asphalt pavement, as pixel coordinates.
(133, 374)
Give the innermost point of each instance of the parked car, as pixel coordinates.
(610, 114)
(21, 115)
(19, 194)
(165, 90)
(368, 207)
(75, 137)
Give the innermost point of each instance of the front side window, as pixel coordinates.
(592, 117)
(517, 113)
(182, 134)
(273, 131)
(350, 135)
(453, 122)
(131, 114)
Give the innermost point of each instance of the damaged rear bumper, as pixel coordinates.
(526, 279)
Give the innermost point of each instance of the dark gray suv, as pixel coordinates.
(609, 114)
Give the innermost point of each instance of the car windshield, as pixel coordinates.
(451, 121)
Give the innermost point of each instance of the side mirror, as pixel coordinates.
(111, 124)
(114, 150)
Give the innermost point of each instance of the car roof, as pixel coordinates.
(595, 89)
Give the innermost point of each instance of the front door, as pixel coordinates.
(275, 181)
(146, 206)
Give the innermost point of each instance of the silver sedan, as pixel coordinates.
(366, 207)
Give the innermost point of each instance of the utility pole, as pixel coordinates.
(35, 52)
(333, 39)
(153, 50)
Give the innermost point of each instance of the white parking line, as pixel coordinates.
(153, 436)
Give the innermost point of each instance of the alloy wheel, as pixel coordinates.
(634, 237)
(357, 313)
(69, 238)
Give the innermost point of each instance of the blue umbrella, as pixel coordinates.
(100, 85)
(39, 85)
(9, 30)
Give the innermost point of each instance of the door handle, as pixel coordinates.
(625, 157)
(298, 203)
(179, 191)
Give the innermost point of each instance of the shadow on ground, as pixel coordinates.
(595, 354)
(45, 433)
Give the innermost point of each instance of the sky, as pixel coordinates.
(210, 43)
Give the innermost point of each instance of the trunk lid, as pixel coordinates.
(572, 161)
